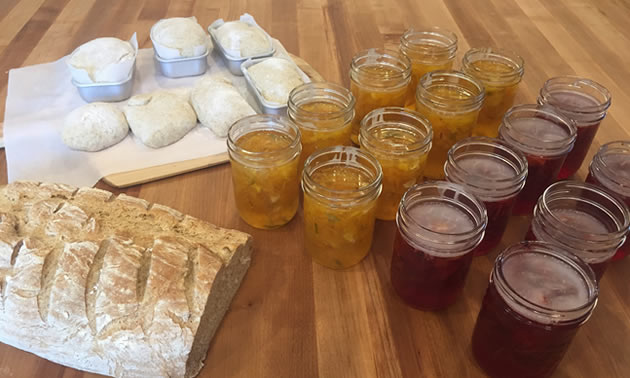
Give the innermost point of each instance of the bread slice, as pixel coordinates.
(113, 284)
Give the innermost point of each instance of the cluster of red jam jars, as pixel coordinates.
(537, 299)
(610, 169)
(439, 226)
(545, 137)
(583, 101)
(495, 173)
(581, 218)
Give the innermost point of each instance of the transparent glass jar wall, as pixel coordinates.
(264, 152)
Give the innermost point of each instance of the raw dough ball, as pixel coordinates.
(160, 118)
(218, 104)
(94, 127)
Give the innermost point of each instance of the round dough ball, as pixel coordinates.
(179, 37)
(160, 118)
(94, 127)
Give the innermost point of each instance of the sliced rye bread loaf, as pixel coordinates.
(113, 284)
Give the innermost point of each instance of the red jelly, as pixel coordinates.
(583, 101)
(545, 137)
(583, 219)
(537, 299)
(610, 169)
(495, 173)
(439, 224)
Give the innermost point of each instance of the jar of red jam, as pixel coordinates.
(545, 137)
(439, 225)
(537, 299)
(494, 172)
(583, 101)
(610, 169)
(583, 219)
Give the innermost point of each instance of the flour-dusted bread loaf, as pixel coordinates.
(218, 104)
(275, 78)
(94, 126)
(179, 37)
(113, 284)
(160, 118)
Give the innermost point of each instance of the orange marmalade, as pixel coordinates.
(323, 112)
(450, 100)
(500, 71)
(400, 140)
(378, 78)
(428, 50)
(264, 152)
(341, 186)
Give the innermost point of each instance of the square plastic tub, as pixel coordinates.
(106, 92)
(182, 67)
(234, 63)
(266, 106)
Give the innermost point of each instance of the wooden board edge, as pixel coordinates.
(158, 172)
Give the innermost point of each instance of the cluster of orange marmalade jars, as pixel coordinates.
(365, 153)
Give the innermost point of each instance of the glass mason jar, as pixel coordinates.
(583, 101)
(378, 78)
(610, 169)
(494, 172)
(545, 137)
(341, 188)
(439, 225)
(324, 114)
(264, 152)
(451, 101)
(428, 50)
(400, 140)
(500, 71)
(537, 299)
(581, 218)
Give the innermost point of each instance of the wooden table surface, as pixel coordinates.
(294, 318)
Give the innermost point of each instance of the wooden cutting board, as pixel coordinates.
(140, 176)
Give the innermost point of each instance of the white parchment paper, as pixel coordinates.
(39, 97)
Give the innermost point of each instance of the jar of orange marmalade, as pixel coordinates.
(378, 78)
(500, 71)
(264, 152)
(324, 114)
(341, 187)
(400, 140)
(451, 100)
(428, 50)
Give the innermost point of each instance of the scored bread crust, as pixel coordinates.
(113, 284)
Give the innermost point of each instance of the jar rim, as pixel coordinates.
(505, 56)
(269, 122)
(575, 84)
(453, 195)
(334, 91)
(413, 120)
(377, 56)
(450, 78)
(537, 311)
(441, 38)
(352, 155)
(483, 185)
(599, 163)
(531, 144)
(562, 187)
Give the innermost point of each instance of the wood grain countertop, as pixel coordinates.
(294, 318)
